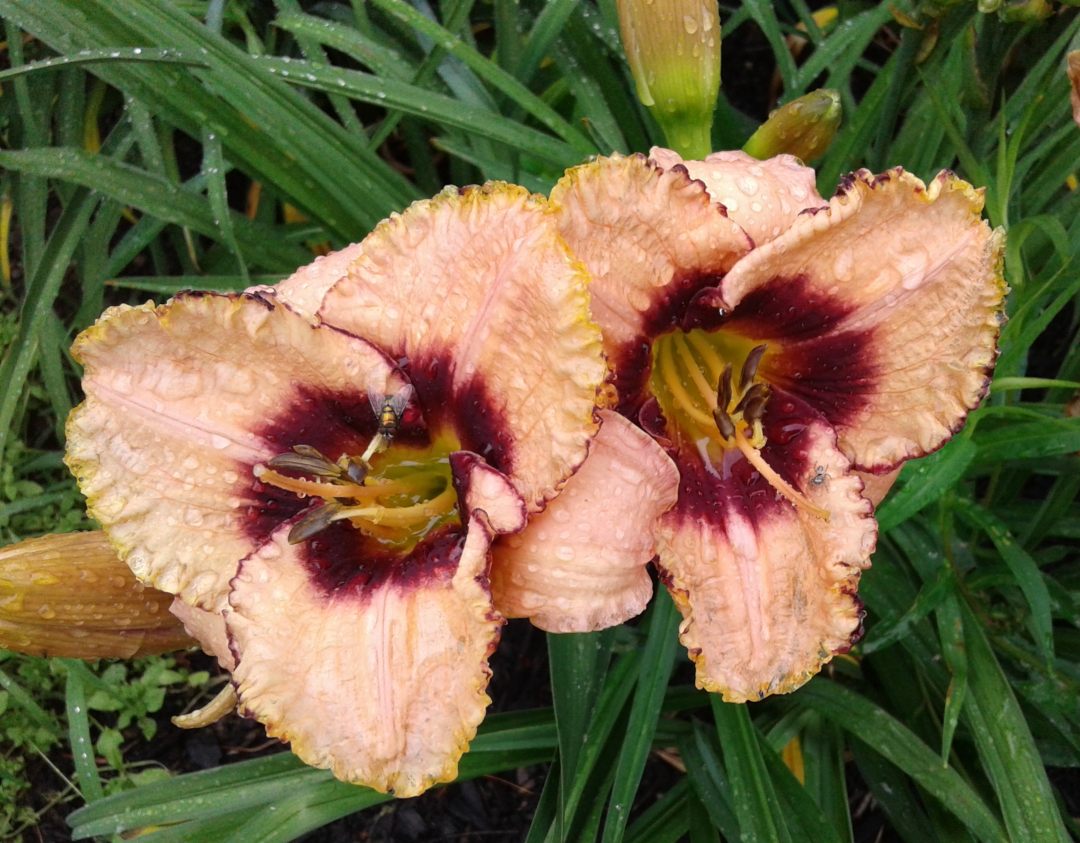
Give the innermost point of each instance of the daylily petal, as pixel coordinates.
(70, 596)
(653, 240)
(580, 564)
(180, 404)
(382, 683)
(208, 628)
(306, 288)
(881, 312)
(767, 591)
(876, 487)
(764, 197)
(487, 311)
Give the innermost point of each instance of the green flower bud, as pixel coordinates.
(1025, 11)
(673, 47)
(804, 127)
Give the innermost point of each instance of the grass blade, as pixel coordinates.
(1023, 568)
(891, 739)
(82, 748)
(432, 107)
(753, 798)
(1005, 744)
(926, 481)
(156, 196)
(656, 664)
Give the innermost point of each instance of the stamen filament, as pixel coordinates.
(403, 516)
(376, 446)
(315, 489)
(312, 488)
(695, 372)
(708, 354)
(679, 394)
(755, 459)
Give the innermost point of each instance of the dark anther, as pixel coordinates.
(357, 471)
(319, 466)
(749, 368)
(724, 422)
(755, 408)
(723, 392)
(308, 451)
(314, 522)
(758, 390)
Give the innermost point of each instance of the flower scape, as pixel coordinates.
(505, 405)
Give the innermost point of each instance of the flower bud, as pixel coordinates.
(804, 127)
(70, 595)
(673, 47)
(1025, 11)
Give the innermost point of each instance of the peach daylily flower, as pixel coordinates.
(779, 357)
(333, 555)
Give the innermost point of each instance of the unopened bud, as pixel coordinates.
(70, 596)
(673, 47)
(804, 127)
(1025, 11)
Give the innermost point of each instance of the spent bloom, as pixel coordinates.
(317, 470)
(779, 357)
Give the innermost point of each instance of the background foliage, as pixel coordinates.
(149, 146)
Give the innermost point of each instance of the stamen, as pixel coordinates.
(754, 457)
(313, 488)
(694, 371)
(678, 392)
(357, 471)
(724, 423)
(314, 522)
(750, 365)
(377, 445)
(305, 465)
(707, 352)
(723, 391)
(404, 516)
(308, 451)
(758, 393)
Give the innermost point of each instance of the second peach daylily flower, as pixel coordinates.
(226, 446)
(776, 359)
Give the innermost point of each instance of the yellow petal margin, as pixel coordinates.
(767, 598)
(474, 291)
(70, 596)
(580, 564)
(164, 443)
(914, 274)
